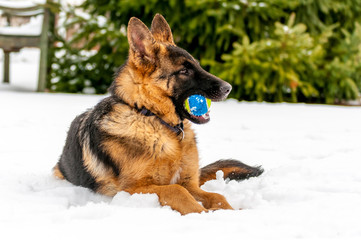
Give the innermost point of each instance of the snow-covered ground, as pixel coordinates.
(311, 187)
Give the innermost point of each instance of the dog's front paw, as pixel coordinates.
(216, 201)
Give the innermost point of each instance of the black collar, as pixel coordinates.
(177, 129)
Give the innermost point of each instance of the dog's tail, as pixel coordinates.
(232, 169)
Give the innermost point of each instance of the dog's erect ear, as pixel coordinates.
(161, 30)
(140, 39)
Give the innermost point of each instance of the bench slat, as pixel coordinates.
(18, 13)
(15, 42)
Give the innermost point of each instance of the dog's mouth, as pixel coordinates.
(199, 119)
(197, 106)
(214, 92)
(204, 117)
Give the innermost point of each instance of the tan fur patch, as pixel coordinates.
(91, 162)
(57, 173)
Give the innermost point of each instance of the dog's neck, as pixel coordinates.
(177, 129)
(131, 91)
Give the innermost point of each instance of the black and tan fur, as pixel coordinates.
(114, 147)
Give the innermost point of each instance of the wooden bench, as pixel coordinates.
(12, 39)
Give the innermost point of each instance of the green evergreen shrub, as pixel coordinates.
(270, 50)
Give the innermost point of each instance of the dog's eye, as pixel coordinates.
(184, 71)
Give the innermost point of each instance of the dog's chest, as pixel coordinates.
(166, 173)
(173, 168)
(176, 176)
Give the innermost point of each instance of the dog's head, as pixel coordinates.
(166, 73)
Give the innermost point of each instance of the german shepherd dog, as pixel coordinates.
(139, 139)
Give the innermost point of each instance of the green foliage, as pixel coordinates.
(273, 69)
(293, 66)
(271, 50)
(86, 69)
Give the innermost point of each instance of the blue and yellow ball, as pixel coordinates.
(197, 105)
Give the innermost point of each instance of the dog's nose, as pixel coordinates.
(226, 88)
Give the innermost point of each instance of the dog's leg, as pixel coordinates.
(211, 201)
(175, 196)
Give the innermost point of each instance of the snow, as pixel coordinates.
(21, 3)
(311, 187)
(32, 28)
